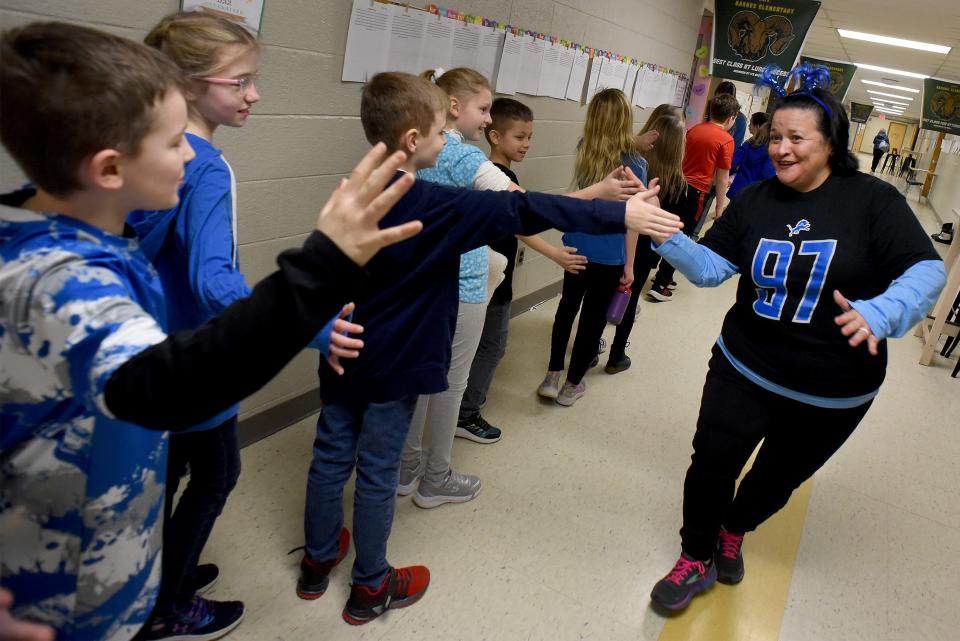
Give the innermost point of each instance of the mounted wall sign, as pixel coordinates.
(941, 106)
(249, 13)
(748, 35)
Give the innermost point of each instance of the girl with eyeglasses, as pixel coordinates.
(195, 250)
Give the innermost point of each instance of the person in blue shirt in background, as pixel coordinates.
(881, 145)
(751, 161)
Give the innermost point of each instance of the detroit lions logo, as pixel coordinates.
(802, 225)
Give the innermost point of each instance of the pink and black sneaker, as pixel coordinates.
(729, 559)
(687, 578)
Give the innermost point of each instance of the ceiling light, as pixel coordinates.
(909, 74)
(887, 100)
(896, 42)
(883, 84)
(888, 111)
(891, 95)
(889, 103)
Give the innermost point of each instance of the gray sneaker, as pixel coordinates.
(570, 393)
(455, 488)
(550, 387)
(409, 477)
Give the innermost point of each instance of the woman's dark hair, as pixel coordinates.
(834, 125)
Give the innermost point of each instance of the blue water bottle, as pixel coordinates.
(618, 305)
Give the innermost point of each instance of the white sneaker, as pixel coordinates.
(570, 393)
(454, 488)
(550, 387)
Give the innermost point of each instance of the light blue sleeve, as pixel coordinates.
(906, 302)
(702, 266)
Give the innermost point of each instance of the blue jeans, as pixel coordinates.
(370, 436)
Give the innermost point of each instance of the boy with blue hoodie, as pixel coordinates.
(89, 380)
(408, 330)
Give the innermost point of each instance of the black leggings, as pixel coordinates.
(213, 459)
(589, 293)
(735, 415)
(877, 155)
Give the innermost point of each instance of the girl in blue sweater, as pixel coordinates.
(751, 162)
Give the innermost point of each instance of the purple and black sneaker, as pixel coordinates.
(687, 578)
(729, 558)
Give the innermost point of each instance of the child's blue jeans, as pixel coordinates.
(370, 436)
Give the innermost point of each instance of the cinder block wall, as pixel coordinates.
(305, 133)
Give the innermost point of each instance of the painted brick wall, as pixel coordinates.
(305, 133)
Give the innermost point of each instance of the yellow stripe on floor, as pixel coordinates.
(752, 610)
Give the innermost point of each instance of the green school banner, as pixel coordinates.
(860, 112)
(841, 74)
(748, 35)
(941, 106)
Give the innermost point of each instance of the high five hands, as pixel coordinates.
(644, 214)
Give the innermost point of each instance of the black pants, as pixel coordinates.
(213, 457)
(644, 261)
(589, 293)
(735, 415)
(877, 155)
(690, 209)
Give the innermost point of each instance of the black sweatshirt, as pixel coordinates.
(192, 376)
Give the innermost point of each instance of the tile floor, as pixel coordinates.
(581, 506)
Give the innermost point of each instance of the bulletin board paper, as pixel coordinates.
(249, 13)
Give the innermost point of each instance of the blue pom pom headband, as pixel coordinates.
(805, 78)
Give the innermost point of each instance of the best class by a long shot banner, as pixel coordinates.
(841, 74)
(941, 106)
(748, 35)
(860, 112)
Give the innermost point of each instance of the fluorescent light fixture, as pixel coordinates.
(889, 102)
(896, 72)
(888, 111)
(883, 84)
(896, 42)
(891, 95)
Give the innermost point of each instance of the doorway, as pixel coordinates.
(896, 132)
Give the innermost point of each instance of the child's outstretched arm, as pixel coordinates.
(193, 375)
(620, 184)
(566, 257)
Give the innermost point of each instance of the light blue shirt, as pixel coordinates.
(457, 166)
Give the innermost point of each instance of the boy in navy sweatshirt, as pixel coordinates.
(408, 329)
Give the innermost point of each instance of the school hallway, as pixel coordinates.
(580, 510)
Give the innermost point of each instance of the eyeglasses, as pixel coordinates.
(242, 84)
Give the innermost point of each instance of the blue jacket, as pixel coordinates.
(83, 551)
(194, 246)
(880, 137)
(751, 164)
(409, 321)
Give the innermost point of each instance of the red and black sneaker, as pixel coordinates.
(315, 576)
(401, 587)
